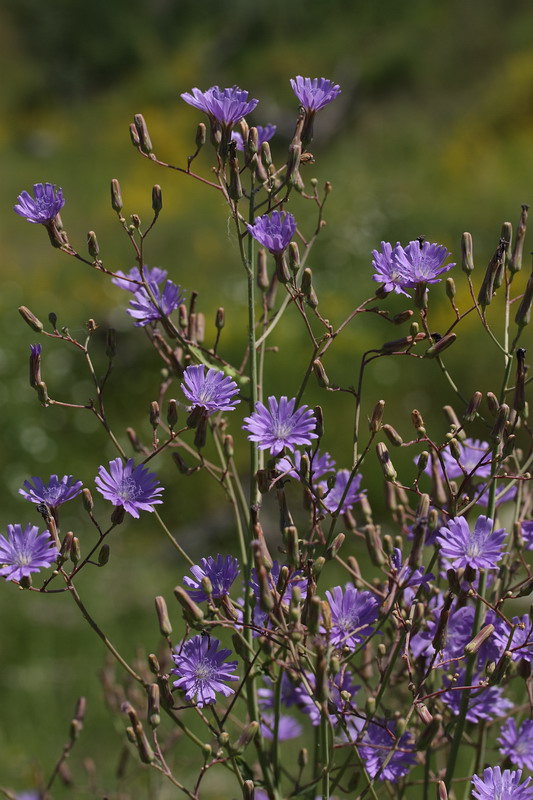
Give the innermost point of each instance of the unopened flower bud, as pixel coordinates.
(523, 315)
(116, 196)
(248, 735)
(373, 544)
(450, 288)
(307, 288)
(220, 318)
(472, 408)
(30, 319)
(294, 257)
(154, 705)
(422, 462)
(515, 262)
(162, 616)
(282, 270)
(403, 316)
(480, 638)
(172, 413)
(136, 221)
(314, 615)
(377, 416)
(266, 155)
(439, 347)
(134, 136)
(234, 187)
(319, 430)
(467, 250)
(392, 435)
(228, 446)
(492, 402)
(501, 668)
(92, 245)
(144, 136)
(418, 421)
(387, 466)
(442, 792)
(488, 288)
(191, 610)
(117, 515)
(200, 137)
(103, 555)
(318, 566)
(248, 790)
(134, 440)
(262, 272)
(290, 537)
(302, 758)
(75, 550)
(157, 199)
(155, 418)
(500, 423)
(66, 544)
(335, 546)
(200, 436)
(320, 374)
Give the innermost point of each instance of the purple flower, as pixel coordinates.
(201, 670)
(221, 573)
(527, 534)
(496, 785)
(25, 551)
(167, 300)
(375, 747)
(214, 391)
(387, 269)
(352, 614)
(36, 350)
(484, 703)
(151, 275)
(135, 488)
(288, 727)
(521, 645)
(320, 465)
(342, 682)
(475, 458)
(508, 494)
(44, 206)
(280, 426)
(274, 231)
(332, 497)
(406, 577)
(264, 134)
(421, 263)
(517, 743)
(54, 493)
(226, 106)
(480, 548)
(314, 93)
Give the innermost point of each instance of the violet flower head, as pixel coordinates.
(314, 93)
(43, 207)
(501, 496)
(213, 391)
(264, 134)
(480, 548)
(476, 458)
(54, 493)
(488, 704)
(274, 231)
(320, 465)
(517, 743)
(332, 497)
(387, 269)
(135, 488)
(25, 551)
(527, 534)
(422, 263)
(406, 577)
(36, 350)
(202, 669)
(280, 425)
(521, 645)
(167, 299)
(221, 573)
(151, 275)
(288, 727)
(226, 106)
(498, 785)
(352, 614)
(375, 747)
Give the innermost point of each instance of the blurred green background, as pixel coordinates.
(431, 135)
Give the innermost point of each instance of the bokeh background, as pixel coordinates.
(431, 136)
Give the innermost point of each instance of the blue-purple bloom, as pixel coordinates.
(226, 106)
(314, 93)
(375, 747)
(202, 669)
(517, 743)
(264, 134)
(274, 231)
(280, 425)
(320, 465)
(521, 645)
(422, 263)
(214, 391)
(221, 573)
(143, 309)
(501, 496)
(498, 785)
(43, 207)
(475, 458)
(151, 275)
(288, 727)
(387, 270)
(352, 615)
(527, 534)
(486, 703)
(480, 548)
(54, 493)
(25, 551)
(135, 488)
(406, 577)
(332, 497)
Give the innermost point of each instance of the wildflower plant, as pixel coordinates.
(412, 671)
